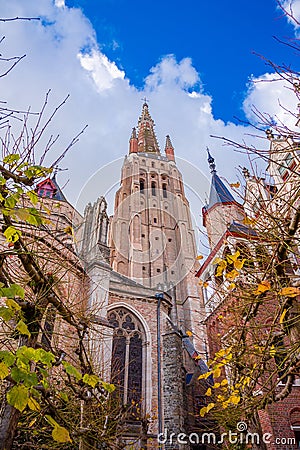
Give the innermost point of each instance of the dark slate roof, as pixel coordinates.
(236, 227)
(219, 192)
(58, 194)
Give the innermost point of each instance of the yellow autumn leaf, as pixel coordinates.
(238, 264)
(272, 351)
(189, 333)
(217, 372)
(204, 375)
(217, 261)
(203, 411)
(282, 316)
(61, 434)
(200, 283)
(221, 267)
(210, 406)
(262, 287)
(246, 381)
(290, 291)
(33, 404)
(231, 286)
(225, 404)
(234, 399)
(205, 285)
(248, 221)
(235, 185)
(208, 392)
(232, 275)
(216, 385)
(199, 257)
(221, 353)
(69, 230)
(224, 382)
(234, 257)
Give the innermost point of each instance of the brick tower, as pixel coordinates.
(151, 236)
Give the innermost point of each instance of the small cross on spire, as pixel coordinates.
(211, 161)
(145, 100)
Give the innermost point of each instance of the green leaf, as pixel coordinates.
(61, 434)
(52, 422)
(9, 159)
(108, 387)
(8, 357)
(71, 370)
(18, 374)
(22, 328)
(10, 202)
(12, 234)
(6, 313)
(18, 397)
(27, 354)
(33, 404)
(33, 197)
(4, 371)
(91, 380)
(11, 304)
(22, 213)
(46, 358)
(64, 396)
(14, 290)
(34, 217)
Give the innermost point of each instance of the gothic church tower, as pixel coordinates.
(151, 236)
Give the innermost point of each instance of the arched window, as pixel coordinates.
(127, 358)
(153, 188)
(295, 424)
(142, 185)
(164, 186)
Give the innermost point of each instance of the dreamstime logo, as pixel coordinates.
(240, 436)
(147, 223)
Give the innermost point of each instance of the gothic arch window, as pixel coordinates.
(153, 188)
(164, 186)
(121, 267)
(295, 424)
(127, 357)
(142, 185)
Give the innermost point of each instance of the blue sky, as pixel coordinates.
(220, 37)
(192, 60)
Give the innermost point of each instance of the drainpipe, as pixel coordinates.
(159, 296)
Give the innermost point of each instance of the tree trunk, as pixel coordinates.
(8, 425)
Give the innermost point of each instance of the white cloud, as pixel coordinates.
(62, 54)
(292, 7)
(60, 3)
(103, 71)
(273, 97)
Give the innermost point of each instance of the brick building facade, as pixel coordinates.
(227, 224)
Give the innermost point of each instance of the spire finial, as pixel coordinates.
(211, 161)
(168, 142)
(145, 100)
(133, 133)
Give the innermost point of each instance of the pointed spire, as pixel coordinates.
(218, 191)
(133, 143)
(169, 149)
(211, 162)
(147, 142)
(168, 142)
(133, 133)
